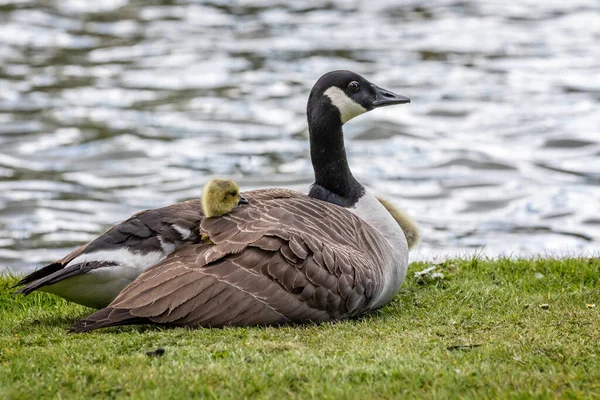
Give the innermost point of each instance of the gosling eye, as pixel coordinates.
(354, 86)
(233, 193)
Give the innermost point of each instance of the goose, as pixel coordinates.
(285, 257)
(95, 273)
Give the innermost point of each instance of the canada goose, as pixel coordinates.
(284, 257)
(96, 272)
(409, 227)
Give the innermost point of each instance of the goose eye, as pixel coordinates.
(354, 86)
(233, 193)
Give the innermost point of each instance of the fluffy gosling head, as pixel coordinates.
(220, 197)
(409, 227)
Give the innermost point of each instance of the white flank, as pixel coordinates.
(98, 287)
(369, 209)
(122, 256)
(348, 107)
(184, 232)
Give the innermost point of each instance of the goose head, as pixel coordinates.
(220, 197)
(335, 99)
(350, 95)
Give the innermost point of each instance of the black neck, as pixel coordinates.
(334, 181)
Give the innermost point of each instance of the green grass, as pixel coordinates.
(511, 347)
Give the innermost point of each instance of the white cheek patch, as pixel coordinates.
(348, 107)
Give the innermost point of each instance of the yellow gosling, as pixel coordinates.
(220, 197)
(409, 227)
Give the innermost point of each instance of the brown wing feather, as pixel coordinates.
(283, 258)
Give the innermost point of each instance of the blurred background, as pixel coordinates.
(109, 107)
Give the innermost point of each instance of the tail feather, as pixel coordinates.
(64, 273)
(38, 274)
(104, 318)
(50, 268)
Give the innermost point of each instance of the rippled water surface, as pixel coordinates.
(114, 106)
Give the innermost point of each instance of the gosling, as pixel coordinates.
(409, 227)
(220, 197)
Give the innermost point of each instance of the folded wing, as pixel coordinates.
(283, 258)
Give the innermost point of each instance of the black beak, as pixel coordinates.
(243, 200)
(386, 98)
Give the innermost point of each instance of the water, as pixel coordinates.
(110, 107)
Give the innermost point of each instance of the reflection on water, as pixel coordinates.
(113, 106)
